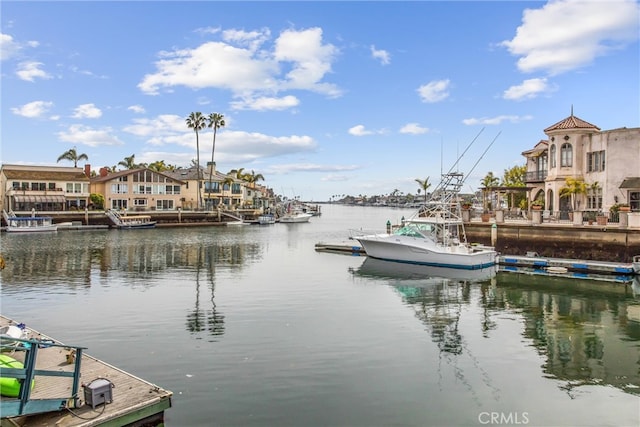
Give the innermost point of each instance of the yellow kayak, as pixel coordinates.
(10, 387)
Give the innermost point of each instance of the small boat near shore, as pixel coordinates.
(28, 224)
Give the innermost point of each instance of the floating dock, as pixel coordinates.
(133, 400)
(515, 262)
(565, 265)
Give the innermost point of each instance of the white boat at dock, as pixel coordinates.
(28, 224)
(128, 222)
(266, 219)
(433, 236)
(294, 213)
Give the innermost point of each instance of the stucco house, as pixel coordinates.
(139, 189)
(607, 161)
(43, 188)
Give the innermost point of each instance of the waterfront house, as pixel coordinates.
(138, 190)
(43, 188)
(216, 189)
(607, 161)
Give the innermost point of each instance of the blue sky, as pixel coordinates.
(321, 98)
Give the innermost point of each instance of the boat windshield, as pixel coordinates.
(414, 230)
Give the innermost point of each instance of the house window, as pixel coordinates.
(236, 189)
(566, 155)
(552, 154)
(164, 205)
(140, 202)
(634, 201)
(119, 189)
(595, 161)
(594, 198)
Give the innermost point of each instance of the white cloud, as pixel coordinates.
(495, 120)
(8, 46)
(434, 91)
(29, 71)
(244, 65)
(139, 109)
(359, 130)
(414, 129)
(381, 55)
(86, 111)
(231, 146)
(84, 135)
(530, 88)
(309, 167)
(33, 109)
(266, 103)
(568, 34)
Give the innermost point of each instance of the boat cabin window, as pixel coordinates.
(414, 230)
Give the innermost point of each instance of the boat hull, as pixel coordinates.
(424, 252)
(296, 218)
(35, 229)
(137, 226)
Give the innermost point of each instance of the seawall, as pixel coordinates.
(592, 242)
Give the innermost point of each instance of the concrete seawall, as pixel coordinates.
(601, 243)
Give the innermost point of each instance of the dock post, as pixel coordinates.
(388, 227)
(494, 234)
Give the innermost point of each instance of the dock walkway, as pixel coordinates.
(134, 400)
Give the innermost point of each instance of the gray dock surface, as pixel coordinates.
(134, 399)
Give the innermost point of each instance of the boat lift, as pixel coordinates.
(23, 404)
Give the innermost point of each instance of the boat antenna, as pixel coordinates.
(441, 154)
(482, 155)
(465, 150)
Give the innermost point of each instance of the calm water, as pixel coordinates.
(250, 326)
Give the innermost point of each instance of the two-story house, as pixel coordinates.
(139, 189)
(607, 161)
(43, 188)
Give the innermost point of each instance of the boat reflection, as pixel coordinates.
(390, 270)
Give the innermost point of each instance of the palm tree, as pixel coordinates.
(73, 156)
(573, 187)
(215, 121)
(424, 185)
(253, 177)
(197, 122)
(128, 162)
(487, 182)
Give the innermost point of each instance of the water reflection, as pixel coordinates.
(137, 259)
(587, 331)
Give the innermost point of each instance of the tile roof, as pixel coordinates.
(571, 122)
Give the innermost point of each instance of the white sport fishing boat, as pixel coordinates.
(433, 236)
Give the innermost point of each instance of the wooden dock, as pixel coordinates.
(134, 400)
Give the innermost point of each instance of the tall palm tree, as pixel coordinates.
(215, 121)
(424, 185)
(197, 122)
(128, 162)
(73, 156)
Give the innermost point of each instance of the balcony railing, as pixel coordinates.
(536, 176)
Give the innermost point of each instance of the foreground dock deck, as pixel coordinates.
(134, 401)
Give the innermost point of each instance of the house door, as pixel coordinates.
(565, 207)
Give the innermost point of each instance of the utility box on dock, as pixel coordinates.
(97, 392)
